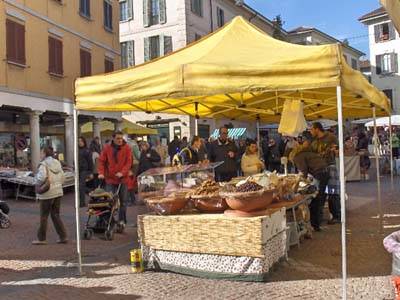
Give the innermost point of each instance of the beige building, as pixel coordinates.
(45, 45)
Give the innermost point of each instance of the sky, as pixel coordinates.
(338, 18)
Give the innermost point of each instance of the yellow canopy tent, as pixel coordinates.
(393, 9)
(108, 127)
(237, 72)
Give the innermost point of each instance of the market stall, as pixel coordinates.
(239, 72)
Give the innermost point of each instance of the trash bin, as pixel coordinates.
(392, 245)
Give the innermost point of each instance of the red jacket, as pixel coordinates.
(108, 166)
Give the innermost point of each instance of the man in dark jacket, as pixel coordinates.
(174, 147)
(115, 162)
(85, 169)
(325, 144)
(149, 158)
(224, 150)
(309, 162)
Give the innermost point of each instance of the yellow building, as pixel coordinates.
(44, 46)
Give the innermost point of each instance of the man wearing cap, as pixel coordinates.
(309, 162)
(325, 144)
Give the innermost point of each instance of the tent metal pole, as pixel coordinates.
(258, 136)
(196, 126)
(342, 191)
(391, 152)
(76, 164)
(378, 175)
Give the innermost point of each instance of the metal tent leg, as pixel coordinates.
(342, 191)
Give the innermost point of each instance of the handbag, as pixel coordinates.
(43, 187)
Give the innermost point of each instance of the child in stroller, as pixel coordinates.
(4, 218)
(103, 207)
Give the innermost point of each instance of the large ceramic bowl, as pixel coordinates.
(171, 205)
(250, 201)
(209, 204)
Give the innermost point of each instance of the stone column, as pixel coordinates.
(69, 141)
(34, 122)
(97, 128)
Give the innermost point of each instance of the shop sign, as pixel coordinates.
(20, 143)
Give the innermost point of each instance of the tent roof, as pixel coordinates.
(127, 128)
(237, 72)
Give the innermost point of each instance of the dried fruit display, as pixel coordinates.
(249, 186)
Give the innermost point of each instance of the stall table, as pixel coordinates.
(214, 245)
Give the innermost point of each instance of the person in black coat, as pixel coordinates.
(190, 155)
(226, 151)
(149, 158)
(85, 168)
(174, 147)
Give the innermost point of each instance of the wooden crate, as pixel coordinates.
(211, 233)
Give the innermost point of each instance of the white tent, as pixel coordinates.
(384, 122)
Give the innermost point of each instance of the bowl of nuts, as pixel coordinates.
(248, 196)
(206, 198)
(167, 205)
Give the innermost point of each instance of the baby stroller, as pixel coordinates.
(103, 207)
(4, 218)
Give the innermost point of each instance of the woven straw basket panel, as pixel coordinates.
(211, 233)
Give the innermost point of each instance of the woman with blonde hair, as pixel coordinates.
(251, 163)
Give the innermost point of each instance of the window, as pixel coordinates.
(220, 17)
(197, 7)
(154, 12)
(15, 40)
(127, 54)
(86, 63)
(84, 8)
(197, 37)
(384, 32)
(55, 56)
(157, 46)
(354, 64)
(125, 10)
(345, 57)
(386, 63)
(108, 65)
(107, 15)
(389, 94)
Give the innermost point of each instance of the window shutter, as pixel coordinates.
(146, 49)
(20, 43)
(131, 53)
(167, 44)
(377, 31)
(89, 63)
(110, 16)
(394, 63)
(11, 40)
(59, 57)
(52, 58)
(378, 64)
(130, 9)
(392, 32)
(163, 12)
(146, 13)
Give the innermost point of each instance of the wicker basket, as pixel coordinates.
(210, 233)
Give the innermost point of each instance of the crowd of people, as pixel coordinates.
(116, 164)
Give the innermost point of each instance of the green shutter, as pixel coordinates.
(167, 44)
(392, 32)
(146, 49)
(378, 64)
(377, 31)
(129, 9)
(163, 11)
(146, 13)
(394, 62)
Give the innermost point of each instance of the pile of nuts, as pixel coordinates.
(249, 186)
(207, 188)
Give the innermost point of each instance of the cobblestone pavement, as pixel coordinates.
(312, 272)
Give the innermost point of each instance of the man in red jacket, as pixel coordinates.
(115, 162)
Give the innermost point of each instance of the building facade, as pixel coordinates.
(313, 36)
(45, 45)
(384, 45)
